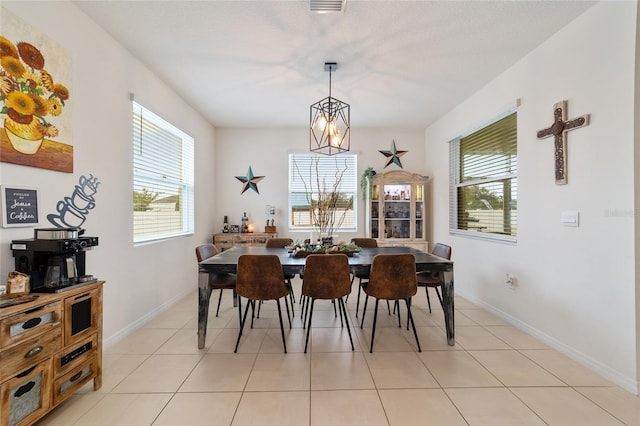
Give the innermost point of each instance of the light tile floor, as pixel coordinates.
(494, 375)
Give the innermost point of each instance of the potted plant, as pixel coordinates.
(364, 182)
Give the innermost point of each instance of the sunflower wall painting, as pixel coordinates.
(35, 96)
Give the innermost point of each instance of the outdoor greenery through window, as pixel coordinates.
(484, 181)
(322, 193)
(163, 203)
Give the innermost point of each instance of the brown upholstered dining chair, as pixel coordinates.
(432, 279)
(326, 277)
(362, 275)
(260, 278)
(392, 277)
(216, 281)
(281, 243)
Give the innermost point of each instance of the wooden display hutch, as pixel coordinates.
(396, 210)
(50, 347)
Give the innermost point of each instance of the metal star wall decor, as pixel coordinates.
(393, 155)
(250, 181)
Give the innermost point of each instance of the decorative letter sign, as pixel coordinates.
(559, 130)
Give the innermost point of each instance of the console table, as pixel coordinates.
(251, 239)
(50, 347)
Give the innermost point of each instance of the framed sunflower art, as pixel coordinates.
(35, 116)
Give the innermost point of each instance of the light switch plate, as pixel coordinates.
(570, 218)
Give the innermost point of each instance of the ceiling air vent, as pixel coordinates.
(327, 6)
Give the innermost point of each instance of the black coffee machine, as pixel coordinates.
(54, 260)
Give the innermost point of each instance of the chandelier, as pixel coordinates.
(329, 123)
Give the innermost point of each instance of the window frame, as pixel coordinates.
(350, 179)
(455, 184)
(177, 177)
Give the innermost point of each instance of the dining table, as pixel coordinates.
(227, 262)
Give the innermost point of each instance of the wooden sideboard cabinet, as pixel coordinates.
(253, 239)
(50, 347)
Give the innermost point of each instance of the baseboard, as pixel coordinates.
(135, 325)
(605, 371)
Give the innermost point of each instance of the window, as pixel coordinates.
(484, 181)
(162, 178)
(319, 182)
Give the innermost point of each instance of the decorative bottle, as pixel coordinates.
(225, 225)
(245, 222)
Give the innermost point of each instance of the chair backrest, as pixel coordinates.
(365, 242)
(326, 276)
(393, 276)
(278, 242)
(260, 277)
(442, 250)
(206, 251)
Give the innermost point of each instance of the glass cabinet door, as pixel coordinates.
(397, 207)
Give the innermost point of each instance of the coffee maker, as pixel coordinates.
(54, 264)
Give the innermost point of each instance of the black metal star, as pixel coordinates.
(393, 155)
(250, 181)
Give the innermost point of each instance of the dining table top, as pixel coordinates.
(227, 261)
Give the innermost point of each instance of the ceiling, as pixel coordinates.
(261, 63)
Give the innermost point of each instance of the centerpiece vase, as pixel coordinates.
(24, 139)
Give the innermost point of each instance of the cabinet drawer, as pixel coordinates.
(26, 396)
(73, 380)
(29, 352)
(71, 356)
(28, 324)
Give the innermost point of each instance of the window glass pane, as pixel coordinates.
(163, 203)
(319, 184)
(484, 181)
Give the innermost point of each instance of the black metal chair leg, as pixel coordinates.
(415, 333)
(244, 319)
(306, 343)
(373, 331)
(286, 304)
(358, 301)
(366, 299)
(346, 320)
(219, 300)
(340, 311)
(426, 290)
(306, 309)
(284, 344)
(439, 297)
(397, 305)
(335, 312)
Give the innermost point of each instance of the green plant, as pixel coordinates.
(364, 179)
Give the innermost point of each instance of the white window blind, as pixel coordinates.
(163, 182)
(310, 177)
(484, 181)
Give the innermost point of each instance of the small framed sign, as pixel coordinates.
(19, 206)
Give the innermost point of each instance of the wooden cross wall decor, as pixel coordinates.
(559, 130)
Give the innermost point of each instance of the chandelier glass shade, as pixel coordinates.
(329, 132)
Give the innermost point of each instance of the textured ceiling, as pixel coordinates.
(261, 63)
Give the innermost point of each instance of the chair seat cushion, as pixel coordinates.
(428, 279)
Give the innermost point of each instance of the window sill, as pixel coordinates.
(497, 238)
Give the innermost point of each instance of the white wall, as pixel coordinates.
(576, 286)
(140, 280)
(266, 151)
